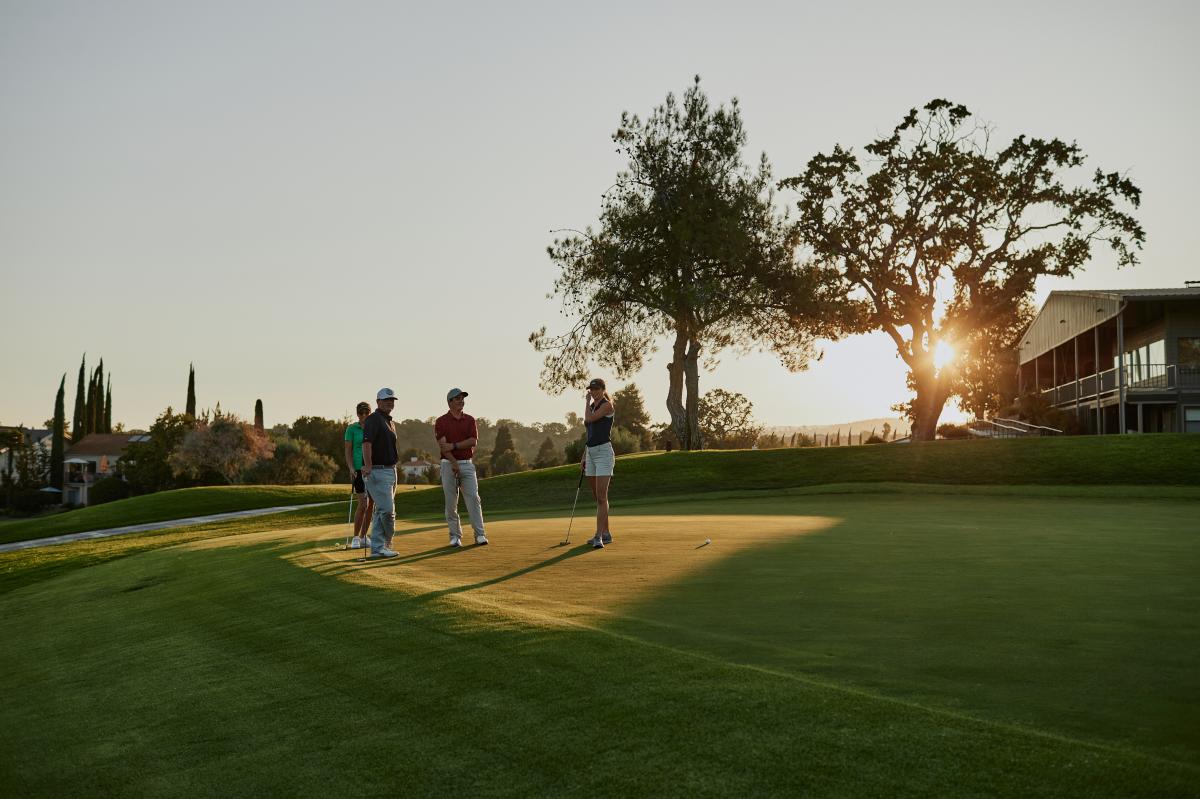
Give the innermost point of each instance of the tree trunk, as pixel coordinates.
(928, 404)
(675, 388)
(691, 366)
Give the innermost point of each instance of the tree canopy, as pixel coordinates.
(689, 247)
(943, 238)
(727, 420)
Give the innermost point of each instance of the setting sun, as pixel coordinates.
(943, 354)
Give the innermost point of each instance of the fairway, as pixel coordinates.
(861, 644)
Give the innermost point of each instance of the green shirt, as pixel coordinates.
(354, 433)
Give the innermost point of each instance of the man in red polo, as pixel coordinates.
(457, 435)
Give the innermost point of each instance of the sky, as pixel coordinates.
(311, 200)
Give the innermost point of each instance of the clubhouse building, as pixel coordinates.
(1123, 361)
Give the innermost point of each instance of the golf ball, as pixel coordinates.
(708, 540)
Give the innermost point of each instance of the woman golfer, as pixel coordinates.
(598, 455)
(354, 462)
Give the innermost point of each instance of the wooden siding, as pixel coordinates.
(1063, 317)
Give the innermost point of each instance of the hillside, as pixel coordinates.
(857, 426)
(1092, 460)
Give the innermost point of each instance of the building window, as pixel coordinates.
(1191, 420)
(1146, 365)
(1189, 352)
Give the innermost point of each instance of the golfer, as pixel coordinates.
(379, 471)
(457, 435)
(598, 456)
(354, 462)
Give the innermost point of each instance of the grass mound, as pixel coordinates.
(167, 505)
(1160, 460)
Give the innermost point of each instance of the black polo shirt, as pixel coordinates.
(380, 432)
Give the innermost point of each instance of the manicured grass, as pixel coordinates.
(169, 505)
(830, 644)
(1084, 460)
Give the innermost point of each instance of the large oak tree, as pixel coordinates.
(945, 238)
(691, 248)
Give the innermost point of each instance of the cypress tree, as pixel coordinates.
(190, 408)
(89, 402)
(58, 436)
(258, 414)
(90, 410)
(98, 426)
(77, 423)
(108, 406)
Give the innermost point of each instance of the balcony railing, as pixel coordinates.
(1139, 377)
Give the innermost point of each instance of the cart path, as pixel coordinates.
(140, 528)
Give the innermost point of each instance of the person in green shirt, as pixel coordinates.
(354, 462)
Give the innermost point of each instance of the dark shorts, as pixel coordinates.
(359, 486)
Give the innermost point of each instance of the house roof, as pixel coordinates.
(102, 444)
(1138, 294)
(30, 435)
(1067, 314)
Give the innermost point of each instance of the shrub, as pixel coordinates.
(31, 500)
(108, 489)
(624, 441)
(952, 431)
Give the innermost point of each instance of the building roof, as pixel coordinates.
(1138, 294)
(1067, 314)
(102, 444)
(30, 435)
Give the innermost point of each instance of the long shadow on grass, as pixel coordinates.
(545, 564)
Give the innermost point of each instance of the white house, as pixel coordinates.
(92, 459)
(42, 439)
(415, 467)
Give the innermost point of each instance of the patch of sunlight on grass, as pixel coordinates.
(526, 571)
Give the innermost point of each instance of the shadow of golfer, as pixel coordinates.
(404, 560)
(459, 589)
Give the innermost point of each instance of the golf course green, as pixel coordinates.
(837, 637)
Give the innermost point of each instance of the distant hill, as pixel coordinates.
(859, 425)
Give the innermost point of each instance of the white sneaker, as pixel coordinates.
(481, 540)
(385, 553)
(356, 543)
(455, 541)
(598, 542)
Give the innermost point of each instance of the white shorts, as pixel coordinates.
(600, 460)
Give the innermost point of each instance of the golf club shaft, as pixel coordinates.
(573, 506)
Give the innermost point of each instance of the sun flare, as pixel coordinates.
(943, 354)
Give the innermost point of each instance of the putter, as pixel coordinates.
(567, 542)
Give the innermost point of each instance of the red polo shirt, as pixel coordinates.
(455, 430)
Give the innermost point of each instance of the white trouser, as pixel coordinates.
(468, 486)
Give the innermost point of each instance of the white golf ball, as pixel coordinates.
(708, 540)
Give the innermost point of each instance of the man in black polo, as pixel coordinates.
(379, 471)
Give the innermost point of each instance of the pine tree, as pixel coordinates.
(190, 408)
(547, 455)
(258, 414)
(58, 440)
(77, 423)
(108, 406)
(504, 441)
